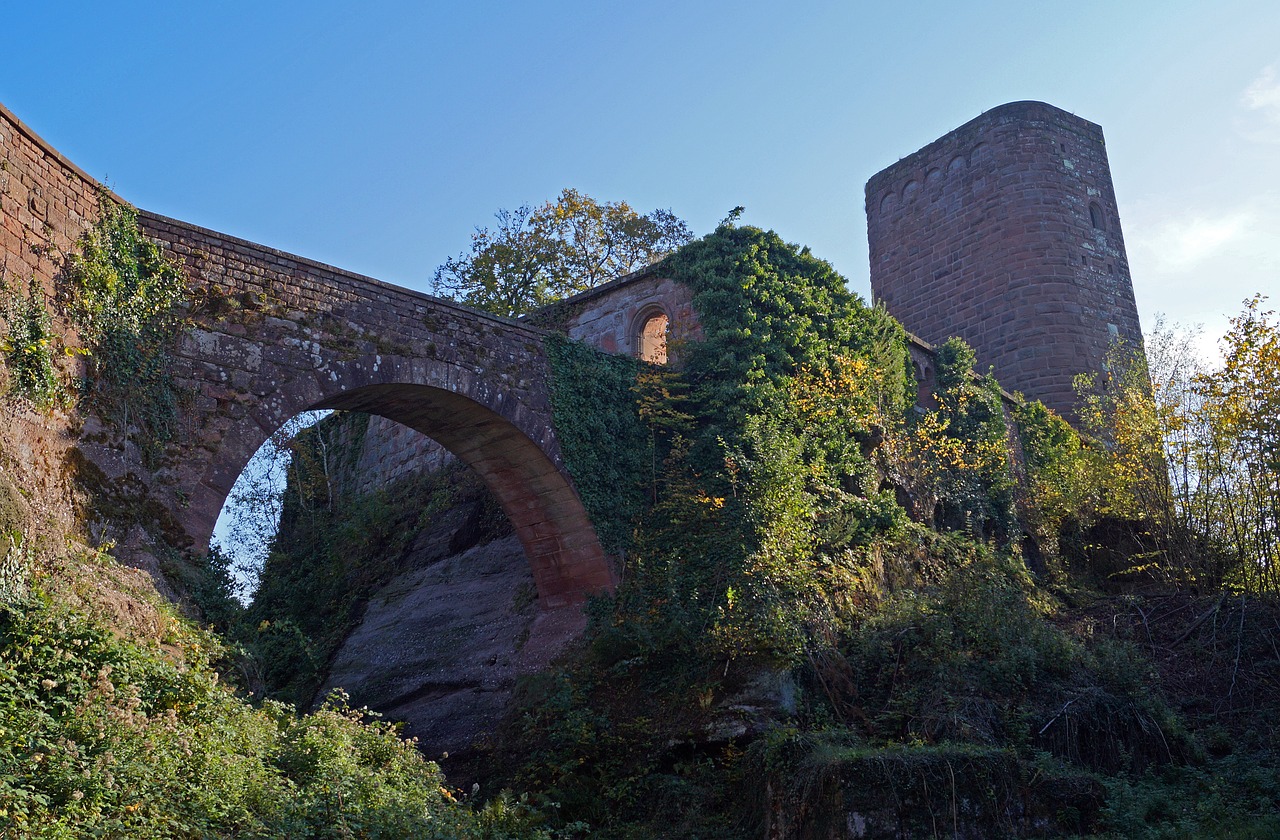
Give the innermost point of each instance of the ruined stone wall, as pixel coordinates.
(1005, 232)
(610, 316)
(390, 452)
(378, 452)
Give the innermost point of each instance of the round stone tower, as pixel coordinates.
(1005, 232)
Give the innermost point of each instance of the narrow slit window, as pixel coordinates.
(1096, 218)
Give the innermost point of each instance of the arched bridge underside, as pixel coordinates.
(275, 335)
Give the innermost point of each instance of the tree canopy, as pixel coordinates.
(535, 256)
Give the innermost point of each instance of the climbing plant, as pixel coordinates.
(763, 437)
(28, 346)
(953, 460)
(601, 434)
(126, 298)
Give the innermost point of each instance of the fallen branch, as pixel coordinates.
(1200, 620)
(1060, 713)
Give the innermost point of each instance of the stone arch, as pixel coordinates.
(650, 329)
(508, 444)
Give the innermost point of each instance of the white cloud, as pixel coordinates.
(1261, 101)
(1182, 244)
(1197, 264)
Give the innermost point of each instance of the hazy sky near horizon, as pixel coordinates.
(376, 136)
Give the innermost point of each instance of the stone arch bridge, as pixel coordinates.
(274, 335)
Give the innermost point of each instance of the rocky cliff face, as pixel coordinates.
(452, 617)
(439, 646)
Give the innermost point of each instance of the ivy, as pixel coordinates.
(976, 486)
(770, 310)
(605, 444)
(126, 297)
(28, 347)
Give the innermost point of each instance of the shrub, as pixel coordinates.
(28, 347)
(108, 736)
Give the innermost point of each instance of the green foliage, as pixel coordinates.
(28, 347)
(597, 745)
(971, 659)
(1232, 798)
(104, 736)
(770, 310)
(977, 493)
(606, 448)
(1060, 482)
(1187, 452)
(537, 256)
(918, 790)
(126, 297)
(1239, 461)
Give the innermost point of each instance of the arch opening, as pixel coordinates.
(1096, 217)
(564, 554)
(392, 574)
(653, 328)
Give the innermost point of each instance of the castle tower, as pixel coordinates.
(1005, 233)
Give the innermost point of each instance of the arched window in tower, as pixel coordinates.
(651, 337)
(1096, 218)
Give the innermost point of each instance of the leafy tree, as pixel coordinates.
(533, 257)
(1241, 407)
(1193, 452)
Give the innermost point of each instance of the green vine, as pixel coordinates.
(606, 447)
(978, 493)
(126, 297)
(768, 480)
(28, 347)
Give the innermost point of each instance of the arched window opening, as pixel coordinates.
(1096, 218)
(651, 343)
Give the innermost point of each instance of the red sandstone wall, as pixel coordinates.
(986, 233)
(46, 202)
(391, 452)
(609, 317)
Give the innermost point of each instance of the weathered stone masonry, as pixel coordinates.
(275, 334)
(1005, 232)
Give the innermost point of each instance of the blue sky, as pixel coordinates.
(376, 136)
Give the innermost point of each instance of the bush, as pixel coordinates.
(106, 736)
